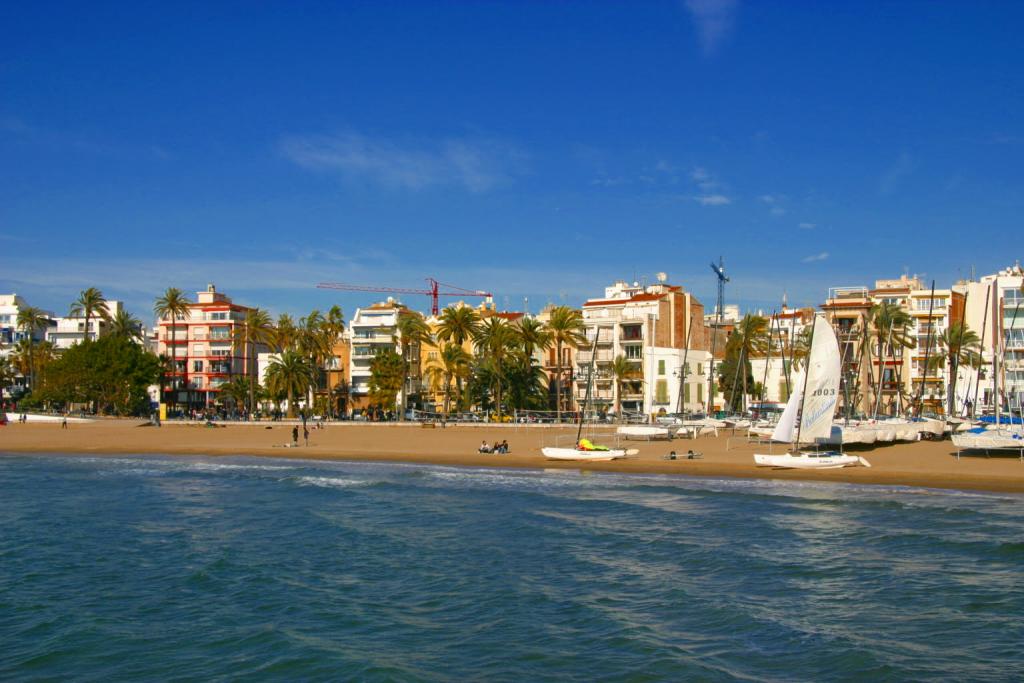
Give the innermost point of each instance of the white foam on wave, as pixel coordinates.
(332, 482)
(217, 467)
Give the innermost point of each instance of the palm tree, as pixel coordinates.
(286, 333)
(313, 340)
(290, 373)
(621, 370)
(453, 363)
(752, 340)
(126, 326)
(957, 345)
(31, 320)
(412, 332)
(254, 329)
(172, 306)
(565, 325)
(90, 303)
(496, 339)
(533, 336)
(458, 325)
(891, 324)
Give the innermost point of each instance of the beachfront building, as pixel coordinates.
(889, 375)
(337, 370)
(11, 334)
(201, 350)
(370, 331)
(775, 371)
(995, 312)
(654, 328)
(69, 330)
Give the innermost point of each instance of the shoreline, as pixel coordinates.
(924, 464)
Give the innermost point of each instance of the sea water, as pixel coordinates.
(163, 568)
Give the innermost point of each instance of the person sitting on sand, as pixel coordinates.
(484, 448)
(503, 448)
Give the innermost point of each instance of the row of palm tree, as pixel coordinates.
(503, 362)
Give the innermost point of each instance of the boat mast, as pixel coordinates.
(927, 351)
(590, 382)
(767, 359)
(954, 364)
(881, 373)
(803, 394)
(683, 369)
(984, 330)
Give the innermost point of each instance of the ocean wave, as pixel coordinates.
(331, 482)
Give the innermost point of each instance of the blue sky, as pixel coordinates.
(534, 150)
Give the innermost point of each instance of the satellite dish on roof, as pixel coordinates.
(662, 277)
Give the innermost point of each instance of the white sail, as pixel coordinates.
(785, 429)
(822, 388)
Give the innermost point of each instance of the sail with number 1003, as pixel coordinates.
(807, 418)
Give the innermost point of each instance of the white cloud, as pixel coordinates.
(713, 200)
(807, 226)
(769, 199)
(777, 211)
(476, 165)
(714, 20)
(815, 257)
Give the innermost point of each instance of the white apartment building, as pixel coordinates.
(70, 330)
(10, 334)
(654, 327)
(1000, 325)
(372, 330)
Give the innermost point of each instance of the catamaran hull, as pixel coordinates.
(552, 453)
(645, 432)
(809, 461)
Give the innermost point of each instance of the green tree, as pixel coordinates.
(30, 321)
(254, 329)
(957, 345)
(287, 333)
(172, 306)
(453, 362)
(891, 326)
(532, 336)
(411, 333)
(458, 325)
(752, 339)
(289, 373)
(113, 373)
(387, 373)
(90, 304)
(126, 326)
(730, 371)
(495, 343)
(526, 382)
(565, 326)
(622, 370)
(240, 391)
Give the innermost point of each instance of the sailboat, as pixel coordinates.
(807, 417)
(584, 450)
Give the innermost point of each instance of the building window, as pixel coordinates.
(686, 393)
(632, 332)
(700, 394)
(661, 391)
(197, 366)
(661, 367)
(218, 316)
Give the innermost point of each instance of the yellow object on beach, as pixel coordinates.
(587, 445)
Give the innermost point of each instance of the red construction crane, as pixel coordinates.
(434, 292)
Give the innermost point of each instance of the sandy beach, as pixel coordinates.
(925, 464)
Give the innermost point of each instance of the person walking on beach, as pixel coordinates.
(64, 421)
(295, 436)
(305, 435)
